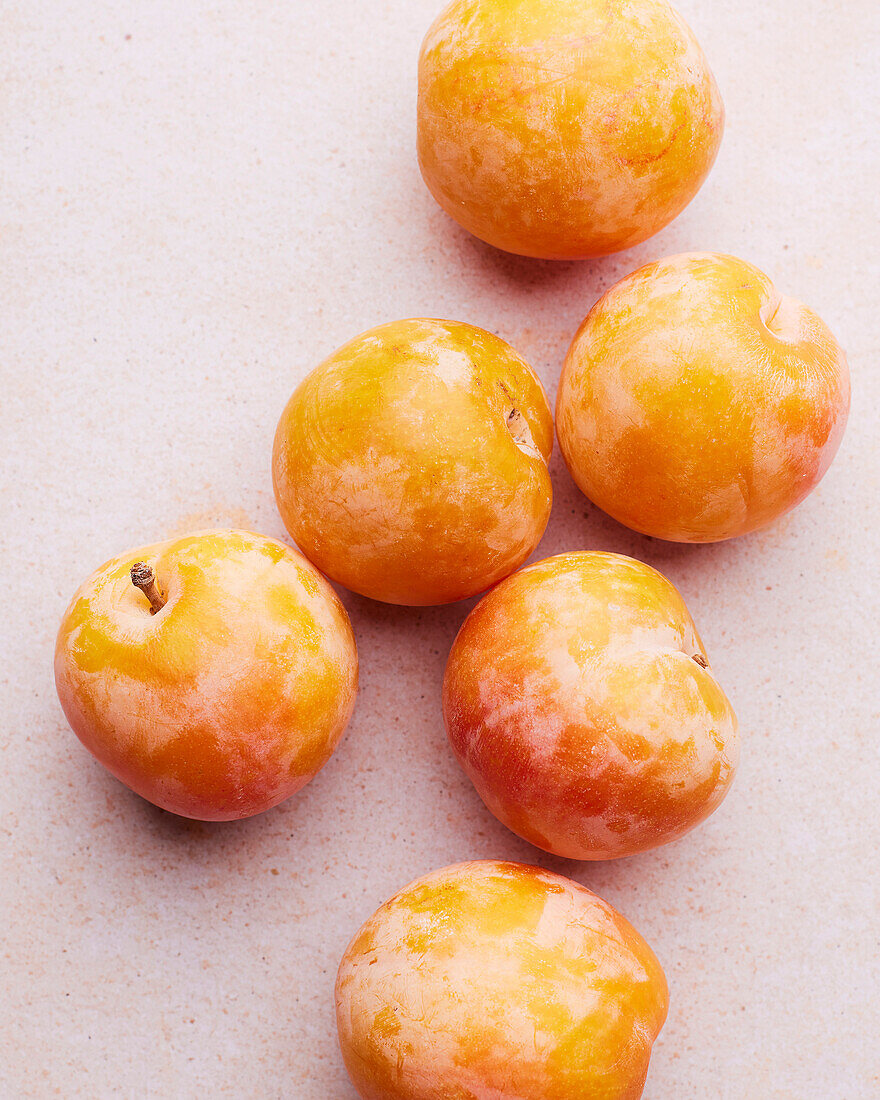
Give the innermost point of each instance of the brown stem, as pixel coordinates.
(701, 660)
(142, 577)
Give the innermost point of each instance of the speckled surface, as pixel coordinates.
(199, 202)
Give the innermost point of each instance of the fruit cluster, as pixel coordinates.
(214, 674)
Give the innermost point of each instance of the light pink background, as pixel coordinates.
(198, 202)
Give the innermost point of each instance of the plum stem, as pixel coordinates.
(142, 577)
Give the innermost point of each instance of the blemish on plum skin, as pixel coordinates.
(274, 551)
(308, 580)
(364, 943)
(386, 1024)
